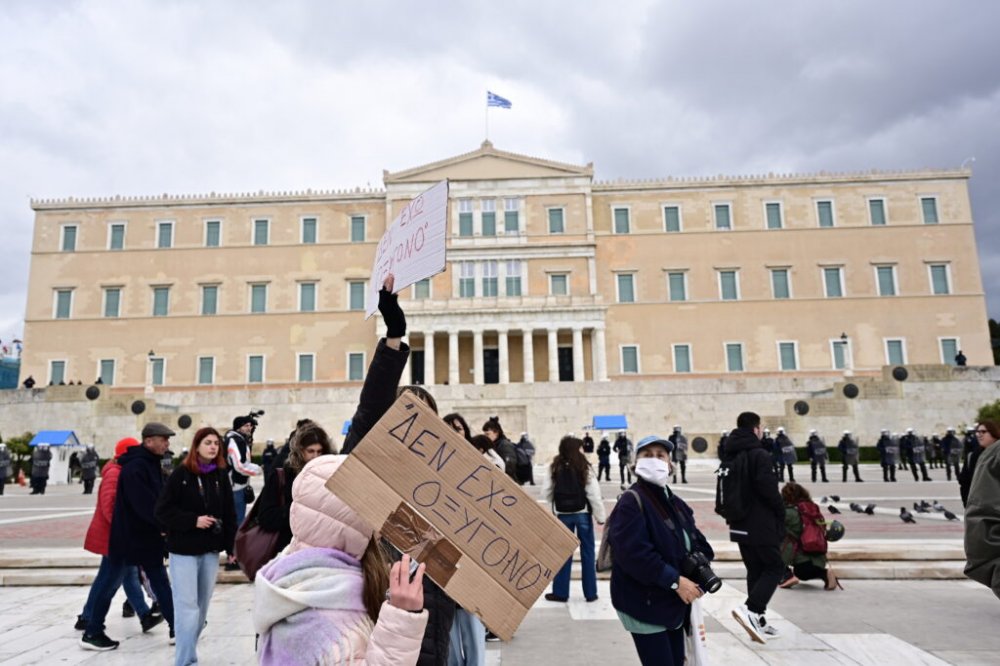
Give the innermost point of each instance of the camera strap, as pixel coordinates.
(669, 514)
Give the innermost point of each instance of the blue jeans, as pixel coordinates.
(467, 646)
(583, 525)
(192, 580)
(117, 569)
(240, 504)
(133, 590)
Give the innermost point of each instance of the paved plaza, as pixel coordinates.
(924, 614)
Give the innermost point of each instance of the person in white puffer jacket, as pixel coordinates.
(323, 600)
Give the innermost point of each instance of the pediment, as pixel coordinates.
(488, 163)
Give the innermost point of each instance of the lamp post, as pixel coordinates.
(149, 373)
(848, 360)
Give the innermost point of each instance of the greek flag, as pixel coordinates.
(496, 100)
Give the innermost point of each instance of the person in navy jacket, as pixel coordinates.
(649, 544)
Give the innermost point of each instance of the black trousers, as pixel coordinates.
(947, 465)
(683, 464)
(3, 482)
(764, 571)
(923, 470)
(888, 472)
(624, 469)
(88, 486)
(822, 469)
(857, 476)
(664, 648)
(791, 474)
(606, 468)
(809, 571)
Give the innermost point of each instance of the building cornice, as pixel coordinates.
(212, 199)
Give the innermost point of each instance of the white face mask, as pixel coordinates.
(654, 470)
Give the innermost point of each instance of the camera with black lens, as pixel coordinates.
(217, 526)
(697, 568)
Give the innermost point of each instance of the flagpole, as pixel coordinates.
(487, 126)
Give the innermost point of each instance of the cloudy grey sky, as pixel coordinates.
(104, 98)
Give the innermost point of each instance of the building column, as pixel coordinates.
(502, 353)
(429, 358)
(453, 378)
(577, 354)
(553, 355)
(600, 355)
(477, 357)
(529, 357)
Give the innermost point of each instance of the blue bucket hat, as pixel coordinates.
(655, 439)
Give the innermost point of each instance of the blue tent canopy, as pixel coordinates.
(55, 438)
(347, 427)
(610, 422)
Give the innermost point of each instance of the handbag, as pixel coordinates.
(604, 557)
(248, 494)
(256, 546)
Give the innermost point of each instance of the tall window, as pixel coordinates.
(671, 218)
(833, 279)
(107, 371)
(622, 223)
(156, 371)
(682, 358)
(57, 372)
(788, 354)
(422, 289)
(258, 298)
(940, 280)
(626, 287)
(780, 287)
(161, 301)
(513, 270)
(949, 350)
(928, 206)
(116, 236)
(356, 295)
(63, 304)
(895, 351)
(467, 280)
(255, 369)
(876, 212)
(489, 207)
(773, 213)
(723, 217)
(164, 234)
(309, 231)
(307, 297)
(306, 364)
(677, 286)
(557, 223)
(630, 359)
(511, 216)
(356, 366)
(734, 356)
(559, 284)
(209, 299)
(213, 233)
(206, 369)
(729, 286)
(886, 276)
(490, 278)
(465, 217)
(358, 228)
(112, 301)
(824, 213)
(839, 348)
(69, 238)
(261, 232)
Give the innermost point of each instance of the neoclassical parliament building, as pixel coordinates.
(552, 276)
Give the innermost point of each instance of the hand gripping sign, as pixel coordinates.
(413, 247)
(486, 542)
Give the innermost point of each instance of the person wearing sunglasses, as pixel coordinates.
(982, 514)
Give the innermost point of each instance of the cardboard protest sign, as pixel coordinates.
(486, 542)
(413, 247)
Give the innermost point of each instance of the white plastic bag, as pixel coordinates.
(696, 643)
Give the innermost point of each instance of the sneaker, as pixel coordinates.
(155, 608)
(127, 610)
(148, 621)
(552, 597)
(81, 624)
(491, 637)
(750, 622)
(99, 642)
(171, 640)
(769, 630)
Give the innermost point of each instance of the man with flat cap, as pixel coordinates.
(136, 535)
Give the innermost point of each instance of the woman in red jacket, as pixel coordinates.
(96, 542)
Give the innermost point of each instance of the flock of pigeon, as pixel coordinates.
(923, 506)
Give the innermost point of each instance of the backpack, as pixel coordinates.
(523, 458)
(604, 558)
(732, 500)
(813, 538)
(568, 495)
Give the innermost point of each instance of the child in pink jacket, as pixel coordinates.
(315, 603)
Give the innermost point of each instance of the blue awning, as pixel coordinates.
(347, 427)
(610, 422)
(55, 438)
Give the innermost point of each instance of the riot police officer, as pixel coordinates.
(849, 455)
(818, 456)
(953, 449)
(787, 448)
(680, 454)
(888, 451)
(768, 444)
(88, 469)
(912, 448)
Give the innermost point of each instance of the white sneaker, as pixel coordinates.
(769, 630)
(750, 622)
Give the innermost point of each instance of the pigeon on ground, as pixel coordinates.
(824, 499)
(937, 506)
(870, 509)
(919, 509)
(835, 498)
(857, 508)
(925, 504)
(949, 515)
(905, 515)
(832, 509)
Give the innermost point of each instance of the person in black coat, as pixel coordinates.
(88, 469)
(136, 535)
(604, 459)
(760, 532)
(196, 509)
(502, 445)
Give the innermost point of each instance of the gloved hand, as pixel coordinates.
(395, 320)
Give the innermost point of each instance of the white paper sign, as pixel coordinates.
(413, 247)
